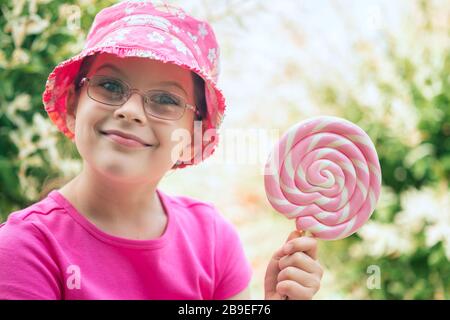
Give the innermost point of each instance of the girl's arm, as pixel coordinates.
(27, 269)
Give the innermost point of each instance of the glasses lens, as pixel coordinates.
(165, 105)
(107, 90)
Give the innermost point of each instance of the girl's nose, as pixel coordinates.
(132, 110)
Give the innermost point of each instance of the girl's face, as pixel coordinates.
(90, 118)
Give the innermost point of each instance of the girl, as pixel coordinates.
(110, 233)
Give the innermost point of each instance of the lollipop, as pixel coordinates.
(325, 173)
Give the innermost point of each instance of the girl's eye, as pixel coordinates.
(112, 86)
(165, 99)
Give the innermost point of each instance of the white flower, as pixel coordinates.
(429, 209)
(181, 14)
(44, 128)
(197, 49)
(202, 32)
(156, 37)
(36, 24)
(141, 19)
(24, 143)
(18, 7)
(193, 38)
(437, 233)
(143, 54)
(120, 35)
(18, 29)
(21, 102)
(83, 3)
(427, 80)
(403, 120)
(107, 42)
(439, 230)
(180, 46)
(212, 55)
(49, 144)
(129, 9)
(385, 239)
(176, 29)
(419, 207)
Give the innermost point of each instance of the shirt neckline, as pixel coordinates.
(115, 240)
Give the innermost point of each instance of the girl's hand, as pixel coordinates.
(294, 273)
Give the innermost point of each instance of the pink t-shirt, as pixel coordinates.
(50, 251)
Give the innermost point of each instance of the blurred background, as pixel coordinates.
(383, 65)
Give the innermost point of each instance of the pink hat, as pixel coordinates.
(153, 30)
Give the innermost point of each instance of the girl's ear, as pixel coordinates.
(71, 106)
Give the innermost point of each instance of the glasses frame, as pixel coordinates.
(139, 92)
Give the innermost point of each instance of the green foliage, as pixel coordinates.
(34, 37)
(410, 126)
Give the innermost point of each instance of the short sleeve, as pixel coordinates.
(232, 268)
(27, 271)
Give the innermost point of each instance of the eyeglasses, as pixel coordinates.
(157, 103)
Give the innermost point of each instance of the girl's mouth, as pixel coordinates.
(124, 139)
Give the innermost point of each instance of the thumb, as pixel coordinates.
(308, 247)
(280, 252)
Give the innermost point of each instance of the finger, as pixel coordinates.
(299, 276)
(304, 244)
(279, 253)
(294, 291)
(302, 261)
(272, 271)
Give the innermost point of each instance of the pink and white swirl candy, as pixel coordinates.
(325, 173)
